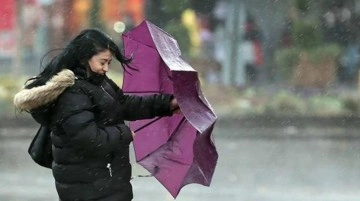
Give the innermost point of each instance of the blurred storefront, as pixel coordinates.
(7, 29)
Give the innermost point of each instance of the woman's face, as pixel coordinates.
(100, 62)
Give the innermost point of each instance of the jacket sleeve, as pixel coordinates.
(145, 107)
(79, 124)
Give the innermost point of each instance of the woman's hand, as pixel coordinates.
(174, 106)
(133, 134)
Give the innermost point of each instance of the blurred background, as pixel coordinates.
(282, 76)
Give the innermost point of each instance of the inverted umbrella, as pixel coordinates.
(176, 150)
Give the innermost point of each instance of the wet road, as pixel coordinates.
(278, 164)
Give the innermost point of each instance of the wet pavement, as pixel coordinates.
(255, 164)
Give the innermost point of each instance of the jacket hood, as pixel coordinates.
(29, 99)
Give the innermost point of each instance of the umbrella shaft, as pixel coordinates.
(153, 121)
(149, 123)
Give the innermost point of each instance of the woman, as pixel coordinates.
(86, 111)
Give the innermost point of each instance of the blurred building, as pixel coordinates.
(30, 28)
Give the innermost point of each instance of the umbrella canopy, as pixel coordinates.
(176, 150)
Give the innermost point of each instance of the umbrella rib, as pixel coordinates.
(203, 174)
(167, 73)
(179, 124)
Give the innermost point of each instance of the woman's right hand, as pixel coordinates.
(174, 106)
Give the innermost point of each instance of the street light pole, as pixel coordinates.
(233, 68)
(239, 64)
(235, 39)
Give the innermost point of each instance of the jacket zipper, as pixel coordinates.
(108, 166)
(105, 91)
(116, 101)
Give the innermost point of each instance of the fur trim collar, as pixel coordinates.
(28, 99)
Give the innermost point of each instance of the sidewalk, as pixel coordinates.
(249, 168)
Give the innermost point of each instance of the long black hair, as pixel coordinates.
(77, 53)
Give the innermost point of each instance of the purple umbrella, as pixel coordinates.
(176, 150)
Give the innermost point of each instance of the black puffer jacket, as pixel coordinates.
(90, 139)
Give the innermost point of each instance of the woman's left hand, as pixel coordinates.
(174, 106)
(133, 134)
